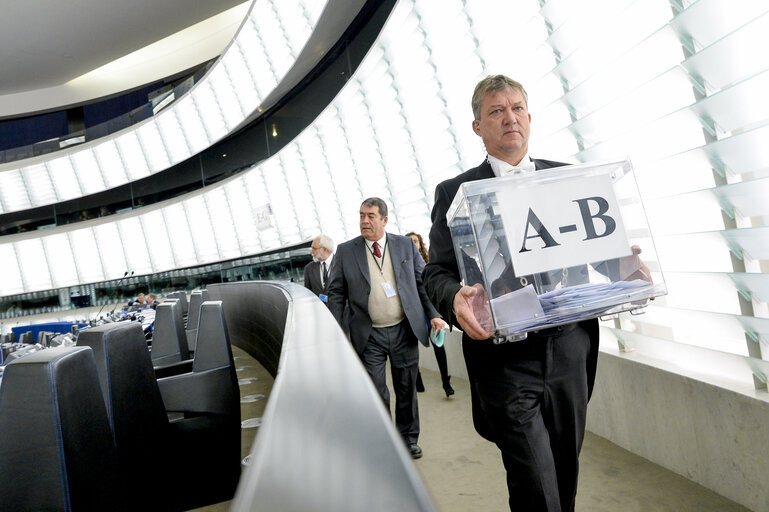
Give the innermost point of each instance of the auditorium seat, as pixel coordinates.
(188, 463)
(19, 351)
(56, 446)
(211, 387)
(196, 299)
(44, 338)
(182, 296)
(169, 340)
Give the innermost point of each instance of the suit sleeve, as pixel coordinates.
(419, 265)
(336, 287)
(441, 275)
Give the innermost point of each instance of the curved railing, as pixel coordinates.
(326, 441)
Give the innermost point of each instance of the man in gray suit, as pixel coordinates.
(380, 275)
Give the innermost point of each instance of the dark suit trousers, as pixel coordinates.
(400, 345)
(530, 398)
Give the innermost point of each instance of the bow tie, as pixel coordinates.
(509, 170)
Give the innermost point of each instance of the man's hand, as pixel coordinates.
(631, 267)
(471, 307)
(438, 324)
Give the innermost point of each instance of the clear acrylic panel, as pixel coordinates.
(551, 247)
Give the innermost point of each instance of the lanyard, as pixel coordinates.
(384, 255)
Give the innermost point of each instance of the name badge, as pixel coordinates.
(389, 289)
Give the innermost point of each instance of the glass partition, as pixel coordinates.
(284, 264)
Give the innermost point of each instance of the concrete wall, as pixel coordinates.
(714, 436)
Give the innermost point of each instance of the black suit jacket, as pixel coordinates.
(441, 275)
(312, 277)
(349, 281)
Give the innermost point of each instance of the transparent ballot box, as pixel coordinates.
(554, 246)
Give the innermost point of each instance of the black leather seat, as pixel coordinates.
(182, 297)
(188, 463)
(196, 300)
(56, 447)
(169, 340)
(210, 386)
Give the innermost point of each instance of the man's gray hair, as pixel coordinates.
(494, 83)
(327, 242)
(375, 201)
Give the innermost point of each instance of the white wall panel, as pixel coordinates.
(158, 250)
(242, 217)
(135, 246)
(89, 174)
(222, 222)
(60, 260)
(132, 156)
(109, 239)
(169, 130)
(34, 265)
(201, 230)
(12, 281)
(179, 235)
(43, 189)
(65, 181)
(111, 164)
(87, 257)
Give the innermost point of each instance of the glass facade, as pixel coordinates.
(675, 86)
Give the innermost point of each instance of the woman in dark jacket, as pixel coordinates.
(440, 352)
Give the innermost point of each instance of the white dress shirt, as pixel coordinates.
(502, 168)
(382, 241)
(327, 261)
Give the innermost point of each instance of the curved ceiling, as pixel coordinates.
(46, 47)
(208, 112)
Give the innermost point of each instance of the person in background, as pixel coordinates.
(151, 301)
(440, 352)
(316, 271)
(140, 301)
(379, 275)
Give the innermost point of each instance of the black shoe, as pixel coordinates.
(447, 386)
(420, 384)
(416, 451)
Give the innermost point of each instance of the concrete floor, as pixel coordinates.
(464, 472)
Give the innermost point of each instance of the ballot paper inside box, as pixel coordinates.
(555, 246)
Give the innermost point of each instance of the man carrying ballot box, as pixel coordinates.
(528, 397)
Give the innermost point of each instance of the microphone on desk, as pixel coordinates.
(113, 309)
(93, 320)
